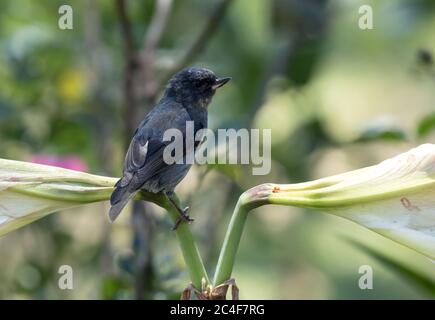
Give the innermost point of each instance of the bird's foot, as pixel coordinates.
(183, 217)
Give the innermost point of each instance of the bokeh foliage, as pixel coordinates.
(336, 97)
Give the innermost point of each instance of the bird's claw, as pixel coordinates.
(183, 217)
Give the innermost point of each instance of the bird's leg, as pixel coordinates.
(182, 212)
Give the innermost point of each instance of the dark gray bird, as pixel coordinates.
(186, 97)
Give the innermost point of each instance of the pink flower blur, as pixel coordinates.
(68, 162)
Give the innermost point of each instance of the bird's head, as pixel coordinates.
(194, 86)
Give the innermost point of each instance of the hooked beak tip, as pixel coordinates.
(220, 82)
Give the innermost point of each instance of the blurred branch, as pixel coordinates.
(141, 235)
(152, 39)
(127, 35)
(157, 25)
(129, 115)
(142, 223)
(201, 41)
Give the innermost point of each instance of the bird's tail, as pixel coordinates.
(120, 196)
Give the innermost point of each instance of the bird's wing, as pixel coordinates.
(144, 157)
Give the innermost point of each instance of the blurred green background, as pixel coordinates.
(336, 97)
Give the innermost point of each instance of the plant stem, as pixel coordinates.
(188, 246)
(249, 200)
(190, 252)
(231, 244)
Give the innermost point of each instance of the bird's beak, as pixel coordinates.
(220, 82)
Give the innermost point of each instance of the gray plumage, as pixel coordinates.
(186, 98)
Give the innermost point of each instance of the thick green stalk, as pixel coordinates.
(190, 252)
(249, 200)
(231, 244)
(188, 246)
